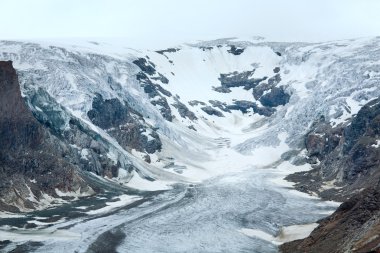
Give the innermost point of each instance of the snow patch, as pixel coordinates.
(146, 185)
(286, 234)
(123, 200)
(76, 194)
(377, 145)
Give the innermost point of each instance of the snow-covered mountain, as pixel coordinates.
(248, 93)
(148, 120)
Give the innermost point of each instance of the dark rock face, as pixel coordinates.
(145, 66)
(183, 110)
(32, 161)
(349, 155)
(235, 51)
(277, 96)
(244, 106)
(156, 92)
(211, 111)
(259, 90)
(206, 48)
(163, 79)
(124, 124)
(108, 113)
(268, 93)
(165, 110)
(169, 50)
(353, 227)
(147, 78)
(151, 88)
(196, 102)
(74, 136)
(96, 160)
(323, 139)
(365, 124)
(15, 119)
(236, 79)
(220, 105)
(222, 89)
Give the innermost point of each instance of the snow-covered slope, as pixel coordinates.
(220, 122)
(217, 106)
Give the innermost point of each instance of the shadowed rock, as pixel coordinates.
(31, 159)
(183, 110)
(353, 227)
(211, 111)
(277, 96)
(349, 156)
(235, 51)
(124, 124)
(154, 90)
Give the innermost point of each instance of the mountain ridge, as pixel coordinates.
(147, 120)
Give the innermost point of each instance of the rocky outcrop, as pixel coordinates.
(32, 160)
(82, 146)
(240, 105)
(145, 66)
(346, 161)
(211, 111)
(244, 106)
(147, 78)
(168, 50)
(183, 111)
(264, 90)
(124, 124)
(353, 227)
(347, 155)
(275, 97)
(196, 102)
(236, 79)
(235, 51)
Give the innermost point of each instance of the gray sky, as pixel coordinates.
(168, 22)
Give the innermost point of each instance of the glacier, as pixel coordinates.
(215, 176)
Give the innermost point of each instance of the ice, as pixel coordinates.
(287, 234)
(229, 192)
(123, 200)
(296, 232)
(138, 183)
(40, 235)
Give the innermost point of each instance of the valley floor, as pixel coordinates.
(239, 212)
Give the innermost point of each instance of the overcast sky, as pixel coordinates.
(151, 22)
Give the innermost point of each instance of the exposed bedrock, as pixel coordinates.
(149, 78)
(127, 126)
(353, 227)
(32, 160)
(346, 161)
(348, 154)
(266, 92)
